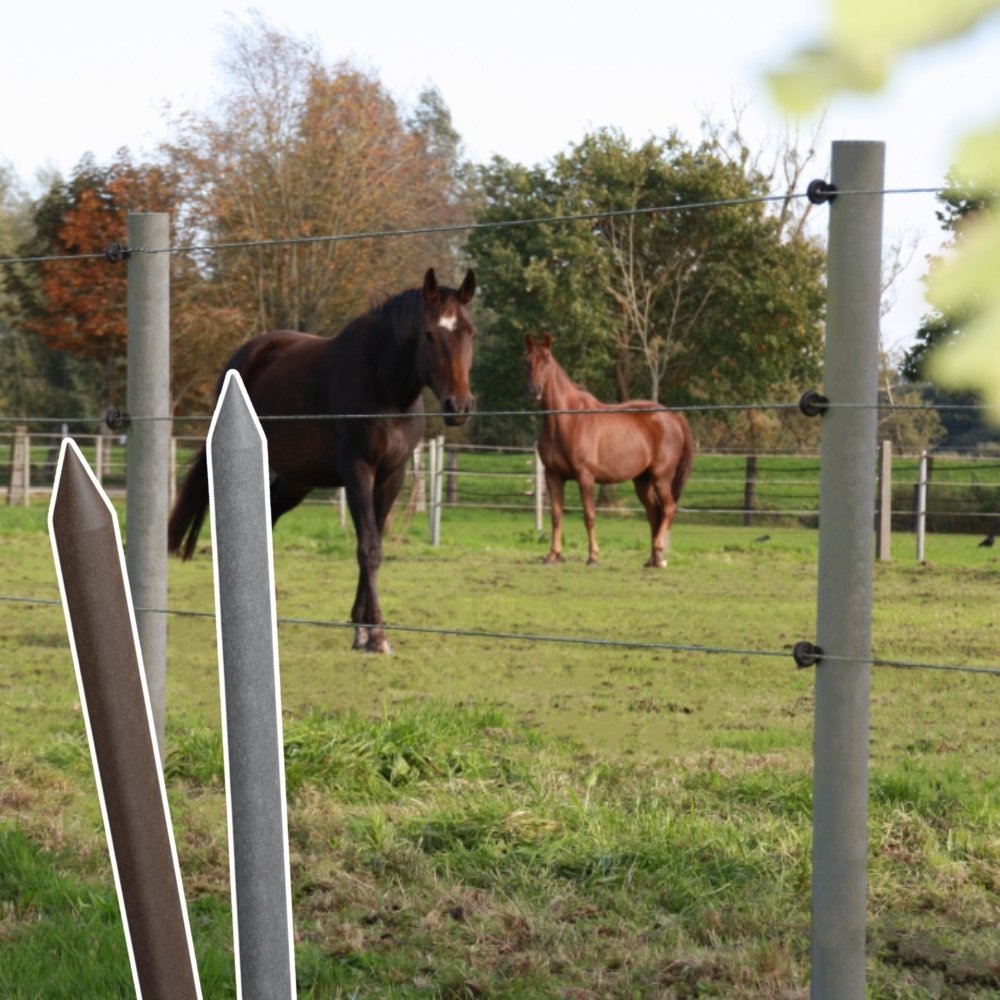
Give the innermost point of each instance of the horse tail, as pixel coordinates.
(190, 508)
(191, 505)
(686, 460)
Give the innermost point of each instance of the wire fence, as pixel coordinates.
(772, 504)
(117, 252)
(115, 419)
(505, 479)
(774, 483)
(633, 645)
(962, 496)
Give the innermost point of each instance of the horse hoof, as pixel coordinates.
(361, 640)
(552, 558)
(378, 643)
(592, 561)
(653, 563)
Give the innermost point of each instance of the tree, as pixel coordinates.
(76, 307)
(780, 160)
(431, 122)
(34, 380)
(959, 206)
(863, 44)
(18, 367)
(652, 298)
(904, 416)
(297, 152)
(961, 420)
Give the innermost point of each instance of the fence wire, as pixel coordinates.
(691, 408)
(123, 251)
(633, 645)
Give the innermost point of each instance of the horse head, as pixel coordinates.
(538, 363)
(444, 354)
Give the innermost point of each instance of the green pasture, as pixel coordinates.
(486, 816)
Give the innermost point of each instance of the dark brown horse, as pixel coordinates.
(637, 440)
(377, 366)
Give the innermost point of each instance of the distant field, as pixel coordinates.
(485, 816)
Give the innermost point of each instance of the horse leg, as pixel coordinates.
(383, 497)
(657, 498)
(646, 493)
(284, 496)
(661, 542)
(370, 502)
(556, 487)
(589, 517)
(365, 613)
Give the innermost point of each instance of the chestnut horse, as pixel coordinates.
(637, 440)
(373, 374)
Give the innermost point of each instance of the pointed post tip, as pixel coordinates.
(78, 501)
(236, 414)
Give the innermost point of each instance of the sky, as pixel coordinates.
(523, 80)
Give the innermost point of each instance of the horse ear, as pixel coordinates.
(547, 339)
(468, 288)
(528, 342)
(430, 287)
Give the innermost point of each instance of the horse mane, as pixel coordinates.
(591, 399)
(381, 299)
(400, 310)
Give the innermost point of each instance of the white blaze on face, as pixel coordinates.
(448, 322)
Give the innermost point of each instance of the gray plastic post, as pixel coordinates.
(433, 458)
(148, 453)
(19, 487)
(99, 458)
(539, 495)
(883, 532)
(439, 490)
(419, 480)
(844, 592)
(100, 619)
(246, 627)
(921, 505)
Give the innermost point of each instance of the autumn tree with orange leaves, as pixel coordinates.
(80, 307)
(297, 155)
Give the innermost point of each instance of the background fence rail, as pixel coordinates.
(956, 494)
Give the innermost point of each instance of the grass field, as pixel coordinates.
(477, 816)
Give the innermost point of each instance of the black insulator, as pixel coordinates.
(819, 192)
(806, 654)
(117, 420)
(813, 403)
(116, 253)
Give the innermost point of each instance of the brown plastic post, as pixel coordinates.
(100, 619)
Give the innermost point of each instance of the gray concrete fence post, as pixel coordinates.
(844, 590)
(147, 476)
